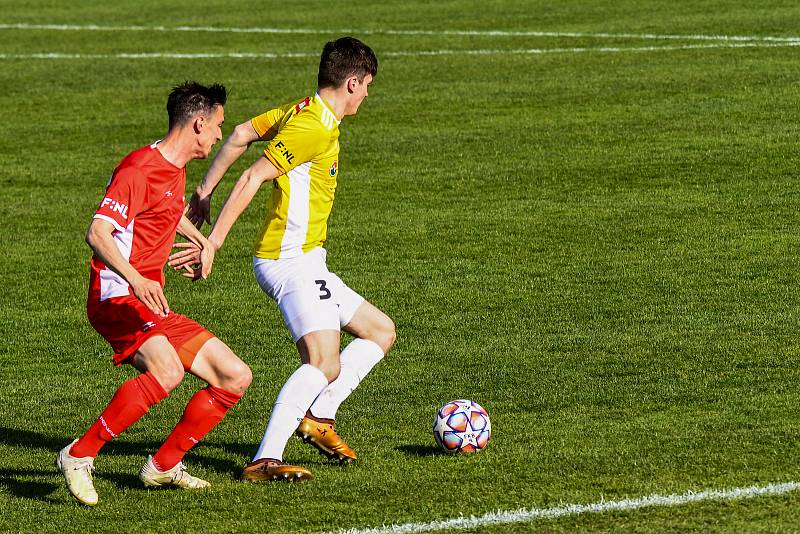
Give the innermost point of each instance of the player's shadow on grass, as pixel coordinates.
(245, 450)
(419, 450)
(16, 480)
(17, 437)
(220, 465)
(27, 484)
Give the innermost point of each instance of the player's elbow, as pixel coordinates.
(92, 236)
(243, 135)
(246, 185)
(252, 178)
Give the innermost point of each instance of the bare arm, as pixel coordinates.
(242, 194)
(233, 148)
(100, 239)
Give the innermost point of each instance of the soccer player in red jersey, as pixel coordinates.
(131, 235)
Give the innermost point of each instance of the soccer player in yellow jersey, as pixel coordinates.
(301, 160)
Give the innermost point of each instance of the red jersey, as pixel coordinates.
(144, 201)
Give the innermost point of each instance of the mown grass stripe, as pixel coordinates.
(469, 33)
(416, 53)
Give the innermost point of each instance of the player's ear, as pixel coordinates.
(352, 83)
(198, 124)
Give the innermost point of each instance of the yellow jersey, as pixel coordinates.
(304, 146)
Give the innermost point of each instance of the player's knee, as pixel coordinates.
(331, 370)
(229, 372)
(386, 335)
(246, 377)
(157, 357)
(169, 374)
(329, 366)
(240, 378)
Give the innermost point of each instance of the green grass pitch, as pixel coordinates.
(592, 232)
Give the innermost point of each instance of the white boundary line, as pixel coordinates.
(473, 33)
(419, 53)
(526, 516)
(527, 51)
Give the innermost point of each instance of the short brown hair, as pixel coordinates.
(191, 98)
(345, 57)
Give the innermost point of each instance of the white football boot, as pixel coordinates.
(78, 474)
(177, 477)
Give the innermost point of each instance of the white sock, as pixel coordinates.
(293, 401)
(357, 360)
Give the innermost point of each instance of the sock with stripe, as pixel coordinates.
(205, 409)
(132, 400)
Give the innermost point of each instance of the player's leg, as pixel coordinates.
(211, 360)
(371, 324)
(375, 335)
(319, 353)
(228, 378)
(161, 372)
(299, 286)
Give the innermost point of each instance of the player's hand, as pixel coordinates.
(195, 260)
(151, 295)
(199, 210)
(206, 261)
(187, 256)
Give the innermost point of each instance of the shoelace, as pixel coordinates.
(85, 465)
(179, 473)
(266, 465)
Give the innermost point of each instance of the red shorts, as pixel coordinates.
(125, 322)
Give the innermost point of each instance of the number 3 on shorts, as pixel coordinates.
(324, 292)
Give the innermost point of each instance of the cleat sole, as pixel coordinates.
(331, 455)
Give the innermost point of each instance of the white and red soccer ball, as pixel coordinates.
(462, 426)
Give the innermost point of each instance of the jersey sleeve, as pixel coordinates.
(124, 198)
(299, 141)
(266, 124)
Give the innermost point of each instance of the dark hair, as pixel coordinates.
(343, 58)
(191, 98)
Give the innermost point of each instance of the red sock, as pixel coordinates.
(131, 401)
(204, 411)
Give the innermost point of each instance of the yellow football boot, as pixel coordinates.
(322, 435)
(271, 469)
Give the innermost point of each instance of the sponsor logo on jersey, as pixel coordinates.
(334, 168)
(114, 206)
(148, 326)
(284, 151)
(299, 107)
(168, 194)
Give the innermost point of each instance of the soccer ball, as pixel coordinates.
(462, 426)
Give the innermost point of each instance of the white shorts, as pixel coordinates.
(309, 296)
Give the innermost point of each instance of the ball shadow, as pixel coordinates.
(419, 450)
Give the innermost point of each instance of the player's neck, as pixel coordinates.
(176, 148)
(336, 99)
